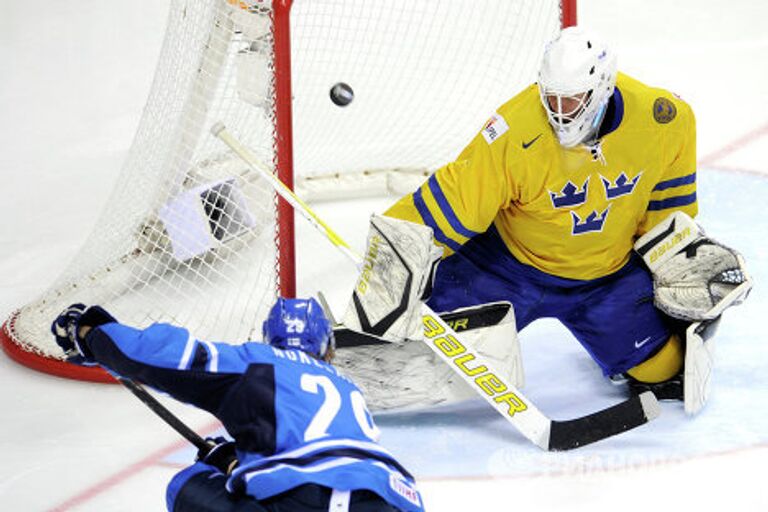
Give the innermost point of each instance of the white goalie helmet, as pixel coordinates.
(576, 79)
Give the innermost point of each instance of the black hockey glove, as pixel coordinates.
(222, 454)
(66, 327)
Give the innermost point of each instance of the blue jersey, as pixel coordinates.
(295, 419)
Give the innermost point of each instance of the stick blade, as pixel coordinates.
(632, 413)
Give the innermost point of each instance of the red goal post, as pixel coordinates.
(190, 236)
(283, 110)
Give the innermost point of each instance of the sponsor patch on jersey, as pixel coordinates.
(404, 489)
(664, 110)
(494, 128)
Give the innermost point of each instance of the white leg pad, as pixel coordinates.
(500, 346)
(699, 363)
(411, 376)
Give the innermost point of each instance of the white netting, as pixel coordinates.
(189, 233)
(426, 75)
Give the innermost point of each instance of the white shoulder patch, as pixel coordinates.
(494, 128)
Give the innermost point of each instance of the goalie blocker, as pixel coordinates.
(396, 278)
(695, 279)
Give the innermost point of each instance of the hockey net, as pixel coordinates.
(191, 236)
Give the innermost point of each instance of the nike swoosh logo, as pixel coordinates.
(639, 344)
(528, 144)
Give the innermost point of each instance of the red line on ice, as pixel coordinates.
(125, 474)
(734, 146)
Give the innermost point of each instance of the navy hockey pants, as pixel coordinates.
(200, 488)
(613, 317)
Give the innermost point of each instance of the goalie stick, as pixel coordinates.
(505, 398)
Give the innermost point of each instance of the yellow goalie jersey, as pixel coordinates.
(576, 212)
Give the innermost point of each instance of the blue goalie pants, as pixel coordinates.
(612, 317)
(200, 488)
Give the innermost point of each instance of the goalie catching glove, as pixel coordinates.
(396, 277)
(694, 277)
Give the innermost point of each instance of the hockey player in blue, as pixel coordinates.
(303, 437)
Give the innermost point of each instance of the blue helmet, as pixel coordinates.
(299, 324)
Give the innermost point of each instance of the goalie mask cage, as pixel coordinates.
(191, 236)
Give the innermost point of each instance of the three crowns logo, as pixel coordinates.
(571, 196)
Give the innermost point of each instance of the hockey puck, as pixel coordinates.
(342, 94)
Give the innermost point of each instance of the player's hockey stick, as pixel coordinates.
(470, 365)
(167, 416)
(150, 401)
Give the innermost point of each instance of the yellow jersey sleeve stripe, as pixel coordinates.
(429, 220)
(446, 209)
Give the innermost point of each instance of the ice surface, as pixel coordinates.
(74, 80)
